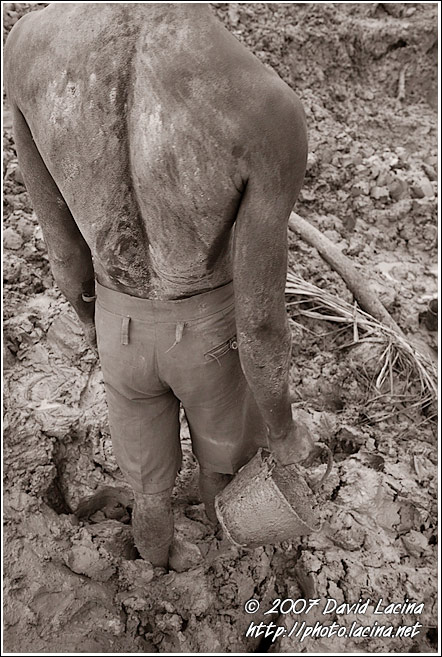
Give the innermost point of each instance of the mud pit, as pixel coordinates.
(367, 77)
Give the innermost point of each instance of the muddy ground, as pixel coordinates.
(367, 76)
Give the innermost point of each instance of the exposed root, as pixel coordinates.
(356, 282)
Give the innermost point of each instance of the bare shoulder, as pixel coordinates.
(25, 27)
(16, 33)
(286, 114)
(19, 47)
(279, 139)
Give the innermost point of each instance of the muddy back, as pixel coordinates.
(144, 115)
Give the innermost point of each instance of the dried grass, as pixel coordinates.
(398, 357)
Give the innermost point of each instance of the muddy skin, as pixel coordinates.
(210, 484)
(140, 154)
(152, 522)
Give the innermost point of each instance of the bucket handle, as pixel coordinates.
(326, 474)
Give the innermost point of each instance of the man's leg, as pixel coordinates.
(143, 418)
(225, 424)
(210, 484)
(152, 523)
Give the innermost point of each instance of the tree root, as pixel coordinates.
(357, 283)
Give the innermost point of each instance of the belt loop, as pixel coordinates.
(179, 330)
(125, 330)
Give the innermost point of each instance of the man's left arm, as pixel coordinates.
(69, 255)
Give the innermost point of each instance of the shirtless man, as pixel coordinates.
(163, 160)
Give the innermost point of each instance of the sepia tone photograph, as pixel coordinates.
(220, 327)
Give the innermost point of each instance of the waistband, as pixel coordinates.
(194, 307)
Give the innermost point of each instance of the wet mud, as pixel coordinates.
(366, 74)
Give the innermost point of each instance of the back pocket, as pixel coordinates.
(222, 349)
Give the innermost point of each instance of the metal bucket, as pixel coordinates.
(267, 503)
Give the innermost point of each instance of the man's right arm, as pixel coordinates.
(260, 268)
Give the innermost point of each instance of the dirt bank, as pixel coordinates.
(367, 76)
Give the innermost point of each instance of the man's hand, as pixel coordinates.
(90, 334)
(295, 447)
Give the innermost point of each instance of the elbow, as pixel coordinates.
(265, 331)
